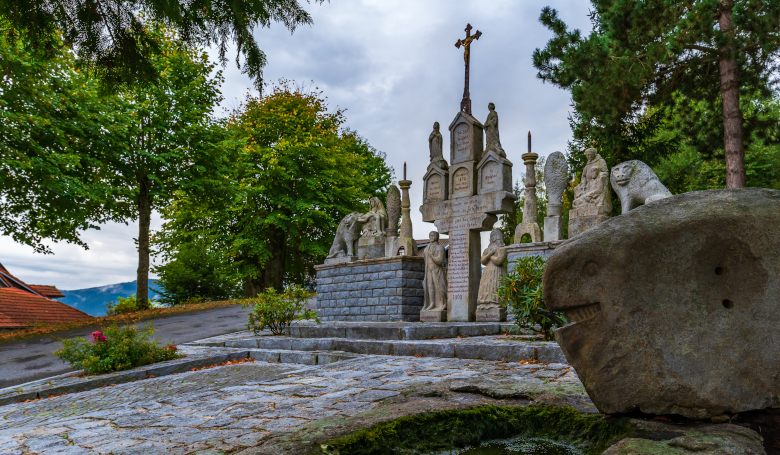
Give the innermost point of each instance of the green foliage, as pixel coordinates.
(521, 292)
(122, 305)
(272, 202)
(438, 431)
(56, 131)
(115, 349)
(195, 273)
(646, 59)
(110, 38)
(275, 311)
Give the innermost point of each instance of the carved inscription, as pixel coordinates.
(475, 221)
(434, 189)
(462, 143)
(458, 269)
(491, 176)
(461, 181)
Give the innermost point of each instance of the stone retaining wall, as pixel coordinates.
(520, 250)
(385, 289)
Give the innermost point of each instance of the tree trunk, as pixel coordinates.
(251, 286)
(144, 220)
(729, 91)
(273, 272)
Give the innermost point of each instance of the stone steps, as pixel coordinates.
(398, 331)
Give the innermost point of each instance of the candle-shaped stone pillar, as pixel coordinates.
(529, 225)
(406, 240)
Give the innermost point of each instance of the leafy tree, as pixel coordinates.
(56, 133)
(111, 39)
(196, 272)
(641, 52)
(289, 176)
(171, 131)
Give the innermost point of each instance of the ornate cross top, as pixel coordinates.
(465, 104)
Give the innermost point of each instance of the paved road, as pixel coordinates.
(31, 358)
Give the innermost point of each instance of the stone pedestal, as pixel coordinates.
(385, 289)
(371, 247)
(517, 251)
(340, 260)
(579, 224)
(494, 173)
(433, 316)
(553, 228)
(436, 183)
(491, 314)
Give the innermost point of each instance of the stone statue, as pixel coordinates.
(435, 141)
(393, 210)
(346, 234)
(556, 179)
(492, 141)
(493, 259)
(592, 199)
(375, 220)
(636, 184)
(435, 283)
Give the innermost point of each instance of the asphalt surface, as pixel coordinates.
(31, 358)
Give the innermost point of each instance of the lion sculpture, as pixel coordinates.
(346, 234)
(636, 184)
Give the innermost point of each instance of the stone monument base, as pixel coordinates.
(340, 260)
(433, 316)
(491, 314)
(553, 228)
(382, 290)
(578, 225)
(371, 247)
(520, 250)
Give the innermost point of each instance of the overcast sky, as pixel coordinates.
(393, 65)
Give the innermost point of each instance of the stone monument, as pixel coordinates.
(393, 215)
(494, 170)
(436, 181)
(343, 248)
(592, 203)
(636, 184)
(405, 245)
(529, 225)
(556, 179)
(465, 213)
(371, 243)
(435, 282)
(489, 308)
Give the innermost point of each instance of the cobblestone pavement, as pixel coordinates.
(231, 407)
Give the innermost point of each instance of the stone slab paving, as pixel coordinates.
(236, 406)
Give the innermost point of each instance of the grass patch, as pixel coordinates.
(452, 429)
(46, 328)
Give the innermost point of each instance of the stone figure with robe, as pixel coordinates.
(492, 141)
(435, 141)
(435, 282)
(375, 220)
(592, 195)
(493, 259)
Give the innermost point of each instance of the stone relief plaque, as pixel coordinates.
(434, 190)
(461, 181)
(463, 144)
(492, 178)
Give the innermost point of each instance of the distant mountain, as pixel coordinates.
(93, 300)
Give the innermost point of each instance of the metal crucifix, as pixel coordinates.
(465, 104)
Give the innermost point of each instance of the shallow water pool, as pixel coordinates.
(518, 446)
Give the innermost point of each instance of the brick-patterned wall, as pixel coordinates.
(385, 289)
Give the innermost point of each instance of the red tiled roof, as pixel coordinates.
(47, 291)
(20, 308)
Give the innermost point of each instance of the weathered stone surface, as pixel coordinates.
(346, 235)
(673, 306)
(493, 259)
(529, 225)
(433, 315)
(592, 199)
(393, 210)
(636, 184)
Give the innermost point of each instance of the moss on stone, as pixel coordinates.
(450, 429)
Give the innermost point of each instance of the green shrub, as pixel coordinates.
(114, 349)
(274, 311)
(124, 305)
(521, 292)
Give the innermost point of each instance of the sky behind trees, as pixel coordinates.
(394, 66)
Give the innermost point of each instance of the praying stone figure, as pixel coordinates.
(371, 244)
(492, 141)
(488, 306)
(435, 282)
(435, 141)
(592, 198)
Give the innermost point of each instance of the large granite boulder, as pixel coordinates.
(674, 307)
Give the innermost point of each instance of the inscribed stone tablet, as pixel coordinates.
(434, 190)
(462, 143)
(492, 177)
(460, 180)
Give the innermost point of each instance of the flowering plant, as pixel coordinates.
(116, 348)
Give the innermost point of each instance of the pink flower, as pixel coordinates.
(170, 346)
(98, 336)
